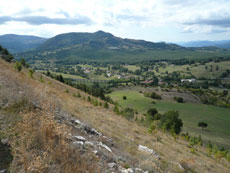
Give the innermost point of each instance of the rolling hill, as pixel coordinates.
(20, 43)
(221, 44)
(104, 47)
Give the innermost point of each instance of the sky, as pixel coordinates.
(152, 20)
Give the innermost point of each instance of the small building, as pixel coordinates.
(188, 80)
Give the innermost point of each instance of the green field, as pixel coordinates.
(131, 67)
(197, 70)
(218, 119)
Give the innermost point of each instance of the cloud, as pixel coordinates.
(221, 22)
(143, 19)
(132, 18)
(27, 11)
(40, 20)
(5, 19)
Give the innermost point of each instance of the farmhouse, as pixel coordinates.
(188, 80)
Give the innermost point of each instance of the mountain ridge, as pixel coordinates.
(103, 39)
(206, 43)
(20, 43)
(104, 47)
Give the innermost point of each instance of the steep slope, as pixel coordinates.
(20, 43)
(96, 136)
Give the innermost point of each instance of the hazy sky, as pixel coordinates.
(153, 20)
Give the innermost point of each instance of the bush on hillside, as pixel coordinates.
(18, 66)
(128, 113)
(150, 115)
(179, 99)
(155, 96)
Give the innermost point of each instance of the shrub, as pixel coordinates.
(18, 66)
(95, 103)
(128, 113)
(30, 72)
(23, 62)
(155, 96)
(6, 55)
(116, 109)
(66, 91)
(41, 79)
(153, 102)
(179, 99)
(228, 156)
(152, 127)
(106, 105)
(157, 116)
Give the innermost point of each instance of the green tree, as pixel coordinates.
(6, 55)
(171, 122)
(151, 113)
(202, 125)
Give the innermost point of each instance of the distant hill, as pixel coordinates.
(221, 44)
(100, 46)
(20, 43)
(100, 39)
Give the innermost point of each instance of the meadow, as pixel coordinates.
(218, 119)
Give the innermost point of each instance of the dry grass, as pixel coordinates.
(39, 144)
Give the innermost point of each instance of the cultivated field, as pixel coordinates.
(209, 70)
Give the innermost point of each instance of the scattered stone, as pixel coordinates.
(89, 143)
(181, 167)
(95, 152)
(78, 122)
(96, 132)
(80, 138)
(92, 131)
(104, 146)
(78, 143)
(148, 150)
(4, 141)
(129, 170)
(138, 170)
(112, 165)
(3, 171)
